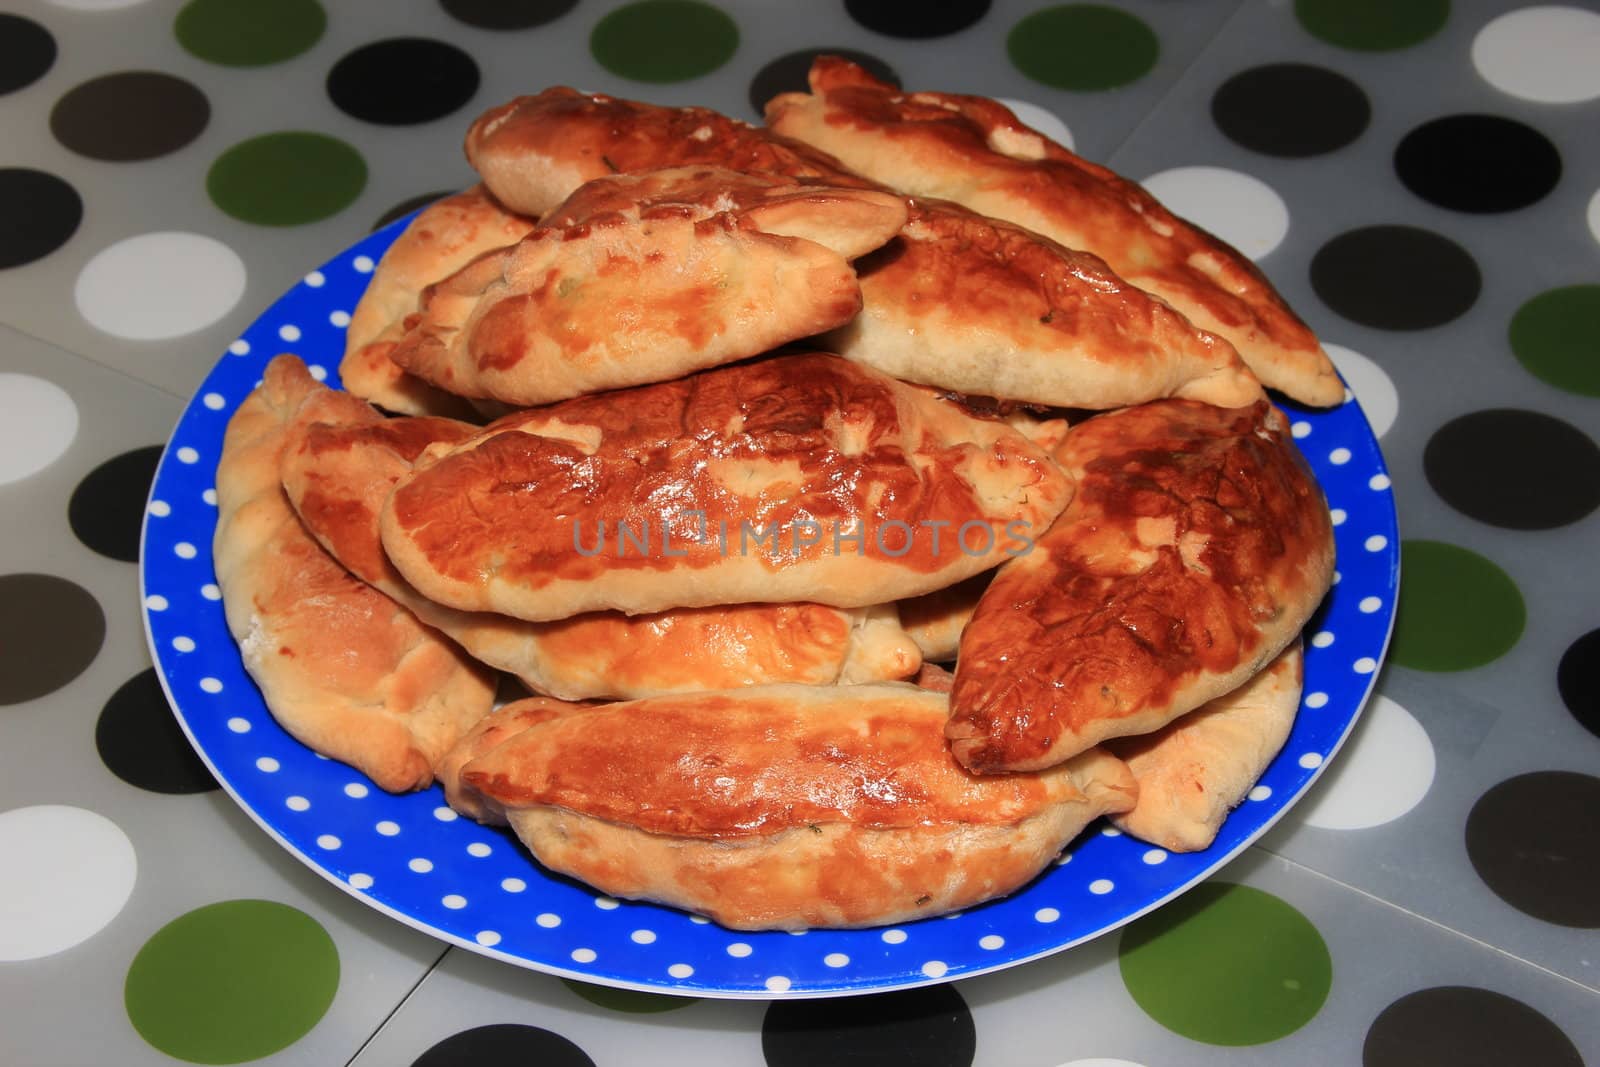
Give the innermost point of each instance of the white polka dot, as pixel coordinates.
(680, 970)
(159, 285)
(184, 550)
(894, 937)
(160, 508)
(1110, 831)
(238, 725)
(361, 881)
(355, 790)
(1383, 772)
(315, 279)
(1337, 577)
(1311, 760)
(1376, 543)
(486, 938)
(1155, 856)
(210, 497)
(211, 685)
(156, 602)
(778, 983)
(935, 968)
(267, 765)
(421, 865)
(1063, 859)
(643, 937)
(1339, 457)
(388, 828)
(606, 903)
(1046, 122)
(187, 455)
(478, 849)
(1301, 429)
(1260, 792)
(297, 803)
(1337, 516)
(1378, 482)
(241, 347)
(1546, 54)
(991, 942)
(214, 401)
(739, 950)
(328, 841)
(549, 920)
(318, 371)
(1101, 886)
(444, 814)
(1316, 700)
(210, 591)
(1322, 640)
(1371, 384)
(183, 644)
(699, 920)
(1369, 604)
(1241, 209)
(1594, 215)
(1365, 665)
(340, 319)
(362, 264)
(583, 955)
(836, 959)
(69, 873)
(289, 332)
(1046, 915)
(513, 885)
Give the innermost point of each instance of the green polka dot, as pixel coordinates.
(286, 179)
(1556, 335)
(1456, 609)
(249, 33)
(1083, 47)
(664, 40)
(627, 999)
(1227, 965)
(1372, 25)
(231, 982)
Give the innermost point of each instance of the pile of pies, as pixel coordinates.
(869, 501)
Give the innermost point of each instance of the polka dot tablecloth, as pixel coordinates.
(1420, 178)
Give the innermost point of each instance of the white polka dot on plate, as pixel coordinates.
(210, 497)
(1369, 604)
(487, 938)
(38, 422)
(361, 881)
(187, 455)
(241, 347)
(991, 942)
(1364, 665)
(935, 968)
(894, 937)
(1373, 387)
(156, 602)
(643, 937)
(739, 950)
(549, 920)
(267, 765)
(1154, 856)
(478, 849)
(316, 280)
(214, 401)
(420, 864)
(297, 803)
(1383, 771)
(1322, 639)
(1260, 792)
(1110, 831)
(362, 264)
(159, 285)
(289, 332)
(513, 885)
(318, 371)
(340, 319)
(1046, 122)
(182, 644)
(583, 955)
(1546, 54)
(1316, 700)
(836, 959)
(1339, 457)
(606, 903)
(212, 686)
(388, 828)
(1311, 760)
(1376, 543)
(184, 550)
(1301, 429)
(328, 842)
(355, 790)
(1378, 482)
(72, 871)
(1101, 886)
(680, 970)
(444, 814)
(210, 591)
(160, 508)
(453, 901)
(1337, 516)
(1046, 915)
(1241, 209)
(238, 725)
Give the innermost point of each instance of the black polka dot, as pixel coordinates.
(403, 81)
(1291, 109)
(107, 509)
(927, 1027)
(131, 115)
(1395, 277)
(917, 19)
(38, 214)
(141, 742)
(27, 51)
(787, 73)
(507, 14)
(1578, 678)
(1535, 841)
(1453, 1025)
(504, 1043)
(406, 207)
(1522, 470)
(1478, 163)
(50, 630)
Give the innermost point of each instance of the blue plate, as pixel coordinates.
(412, 858)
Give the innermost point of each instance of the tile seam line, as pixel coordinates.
(96, 363)
(1435, 923)
(1144, 120)
(370, 1038)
